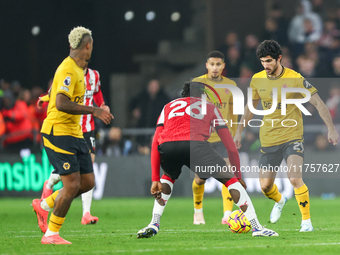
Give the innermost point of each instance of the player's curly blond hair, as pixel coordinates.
(76, 35)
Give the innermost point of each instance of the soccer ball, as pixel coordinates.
(238, 223)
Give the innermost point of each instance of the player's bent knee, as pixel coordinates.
(296, 182)
(72, 187)
(87, 186)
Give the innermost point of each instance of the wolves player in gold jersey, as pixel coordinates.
(279, 141)
(63, 138)
(215, 65)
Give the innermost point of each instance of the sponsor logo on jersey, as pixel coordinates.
(89, 93)
(67, 81)
(64, 88)
(79, 100)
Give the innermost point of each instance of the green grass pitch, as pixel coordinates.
(121, 218)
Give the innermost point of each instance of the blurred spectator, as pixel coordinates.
(1, 91)
(329, 34)
(282, 23)
(250, 58)
(18, 126)
(319, 60)
(233, 62)
(306, 66)
(147, 106)
(286, 61)
(336, 67)
(309, 33)
(16, 88)
(311, 51)
(273, 32)
(337, 16)
(333, 102)
(4, 85)
(40, 113)
(319, 8)
(36, 93)
(25, 96)
(245, 75)
(113, 144)
(306, 26)
(2, 126)
(37, 115)
(231, 40)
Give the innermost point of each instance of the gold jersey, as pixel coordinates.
(68, 80)
(227, 103)
(278, 129)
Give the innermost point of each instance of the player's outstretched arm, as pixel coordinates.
(64, 104)
(227, 141)
(326, 117)
(42, 99)
(156, 186)
(248, 115)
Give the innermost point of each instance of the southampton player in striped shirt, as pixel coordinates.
(181, 139)
(282, 142)
(93, 93)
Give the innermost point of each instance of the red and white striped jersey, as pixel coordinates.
(93, 92)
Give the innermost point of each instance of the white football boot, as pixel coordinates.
(306, 226)
(199, 218)
(264, 232)
(277, 210)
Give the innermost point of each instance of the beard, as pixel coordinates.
(274, 69)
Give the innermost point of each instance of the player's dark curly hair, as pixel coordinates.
(269, 48)
(192, 89)
(216, 54)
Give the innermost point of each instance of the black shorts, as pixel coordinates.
(91, 141)
(219, 147)
(197, 155)
(68, 154)
(272, 156)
